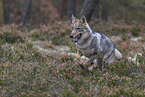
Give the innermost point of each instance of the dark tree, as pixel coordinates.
(105, 13)
(6, 11)
(88, 9)
(71, 8)
(63, 8)
(39, 12)
(26, 12)
(96, 11)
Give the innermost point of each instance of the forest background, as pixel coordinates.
(49, 11)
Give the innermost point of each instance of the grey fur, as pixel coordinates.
(94, 45)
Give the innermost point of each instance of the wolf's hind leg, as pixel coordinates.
(100, 63)
(109, 59)
(94, 65)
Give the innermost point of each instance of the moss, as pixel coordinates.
(36, 36)
(56, 41)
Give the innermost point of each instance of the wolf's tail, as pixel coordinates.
(118, 55)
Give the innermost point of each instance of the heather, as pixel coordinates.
(27, 67)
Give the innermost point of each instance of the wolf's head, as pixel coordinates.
(80, 27)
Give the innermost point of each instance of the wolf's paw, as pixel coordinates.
(90, 68)
(85, 64)
(82, 65)
(77, 56)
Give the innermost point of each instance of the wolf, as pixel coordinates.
(95, 46)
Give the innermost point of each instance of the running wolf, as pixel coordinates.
(96, 46)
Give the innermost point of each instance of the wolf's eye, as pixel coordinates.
(80, 29)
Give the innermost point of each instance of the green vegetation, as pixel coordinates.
(25, 71)
(10, 36)
(36, 36)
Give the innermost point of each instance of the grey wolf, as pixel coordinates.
(95, 46)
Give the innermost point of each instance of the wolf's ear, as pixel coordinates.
(74, 19)
(83, 19)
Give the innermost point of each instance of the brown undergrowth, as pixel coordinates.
(27, 72)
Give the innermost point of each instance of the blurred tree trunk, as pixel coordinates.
(88, 9)
(71, 8)
(6, 11)
(39, 12)
(96, 11)
(26, 12)
(63, 8)
(105, 13)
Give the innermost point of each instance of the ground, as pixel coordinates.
(37, 62)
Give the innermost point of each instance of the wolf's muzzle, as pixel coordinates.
(76, 38)
(71, 36)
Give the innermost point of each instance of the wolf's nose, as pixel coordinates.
(71, 36)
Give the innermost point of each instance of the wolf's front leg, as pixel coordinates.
(93, 57)
(81, 63)
(78, 55)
